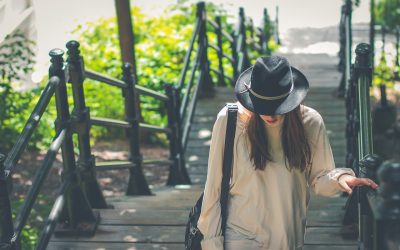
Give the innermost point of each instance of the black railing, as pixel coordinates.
(345, 34)
(377, 213)
(79, 193)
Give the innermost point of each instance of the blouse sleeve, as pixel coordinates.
(209, 222)
(323, 176)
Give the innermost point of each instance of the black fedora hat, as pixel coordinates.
(271, 86)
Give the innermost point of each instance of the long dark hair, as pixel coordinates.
(295, 144)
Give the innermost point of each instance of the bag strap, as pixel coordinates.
(227, 162)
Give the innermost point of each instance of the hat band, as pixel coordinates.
(269, 98)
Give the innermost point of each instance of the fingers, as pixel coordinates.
(363, 182)
(345, 187)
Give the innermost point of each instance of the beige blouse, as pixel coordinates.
(267, 206)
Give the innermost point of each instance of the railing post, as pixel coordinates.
(207, 89)
(266, 34)
(362, 76)
(78, 218)
(397, 63)
(251, 30)
(177, 172)
(352, 124)
(278, 39)
(342, 52)
(348, 41)
(368, 167)
(137, 184)
(235, 58)
(372, 32)
(6, 223)
(80, 118)
(386, 208)
(363, 69)
(241, 46)
(221, 76)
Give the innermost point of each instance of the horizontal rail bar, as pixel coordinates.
(214, 24)
(215, 71)
(145, 91)
(227, 36)
(105, 79)
(118, 83)
(108, 122)
(55, 213)
(114, 165)
(119, 165)
(228, 57)
(30, 126)
(214, 47)
(38, 182)
(228, 77)
(153, 128)
(157, 161)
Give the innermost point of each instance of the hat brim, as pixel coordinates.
(271, 107)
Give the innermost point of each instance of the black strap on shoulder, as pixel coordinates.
(227, 162)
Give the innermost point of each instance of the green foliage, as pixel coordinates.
(383, 74)
(31, 232)
(16, 53)
(387, 13)
(161, 44)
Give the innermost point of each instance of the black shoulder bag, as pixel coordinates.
(193, 236)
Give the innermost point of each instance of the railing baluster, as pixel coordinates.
(362, 71)
(6, 223)
(266, 32)
(207, 89)
(221, 77)
(37, 184)
(368, 167)
(177, 172)
(233, 45)
(241, 46)
(386, 208)
(80, 118)
(137, 184)
(78, 219)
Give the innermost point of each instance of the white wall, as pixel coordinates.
(16, 14)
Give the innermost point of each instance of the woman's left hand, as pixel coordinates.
(347, 182)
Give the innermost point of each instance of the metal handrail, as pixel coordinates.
(189, 86)
(30, 126)
(188, 54)
(121, 84)
(55, 214)
(145, 91)
(363, 67)
(104, 79)
(40, 177)
(348, 38)
(186, 131)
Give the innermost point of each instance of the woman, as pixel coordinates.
(281, 152)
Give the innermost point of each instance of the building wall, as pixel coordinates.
(16, 14)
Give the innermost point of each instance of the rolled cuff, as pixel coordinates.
(337, 172)
(215, 243)
(326, 184)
